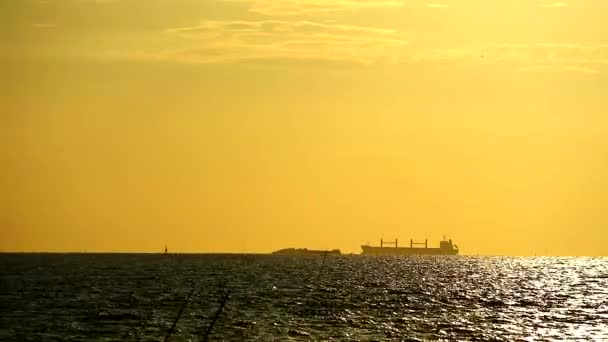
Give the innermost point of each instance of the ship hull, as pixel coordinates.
(405, 251)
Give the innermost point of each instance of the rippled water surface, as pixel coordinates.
(138, 297)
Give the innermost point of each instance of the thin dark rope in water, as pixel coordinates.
(217, 315)
(179, 314)
(322, 264)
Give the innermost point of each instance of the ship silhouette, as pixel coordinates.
(446, 247)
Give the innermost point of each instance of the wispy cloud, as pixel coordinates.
(305, 7)
(574, 68)
(94, 1)
(274, 27)
(545, 56)
(231, 41)
(555, 4)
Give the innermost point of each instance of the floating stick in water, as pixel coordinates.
(217, 315)
(322, 264)
(179, 315)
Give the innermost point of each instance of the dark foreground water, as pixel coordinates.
(137, 297)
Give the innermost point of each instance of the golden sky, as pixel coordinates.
(253, 125)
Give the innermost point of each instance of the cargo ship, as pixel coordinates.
(446, 247)
(305, 251)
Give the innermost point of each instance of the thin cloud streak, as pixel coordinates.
(574, 68)
(274, 26)
(547, 56)
(308, 7)
(231, 41)
(218, 41)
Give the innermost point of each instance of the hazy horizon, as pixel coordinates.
(255, 125)
(345, 253)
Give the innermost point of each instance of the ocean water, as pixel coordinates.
(108, 297)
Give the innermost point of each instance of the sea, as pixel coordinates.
(248, 297)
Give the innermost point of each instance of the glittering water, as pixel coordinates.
(137, 297)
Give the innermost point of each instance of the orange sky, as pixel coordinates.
(255, 125)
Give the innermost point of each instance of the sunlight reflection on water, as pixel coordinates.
(275, 297)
